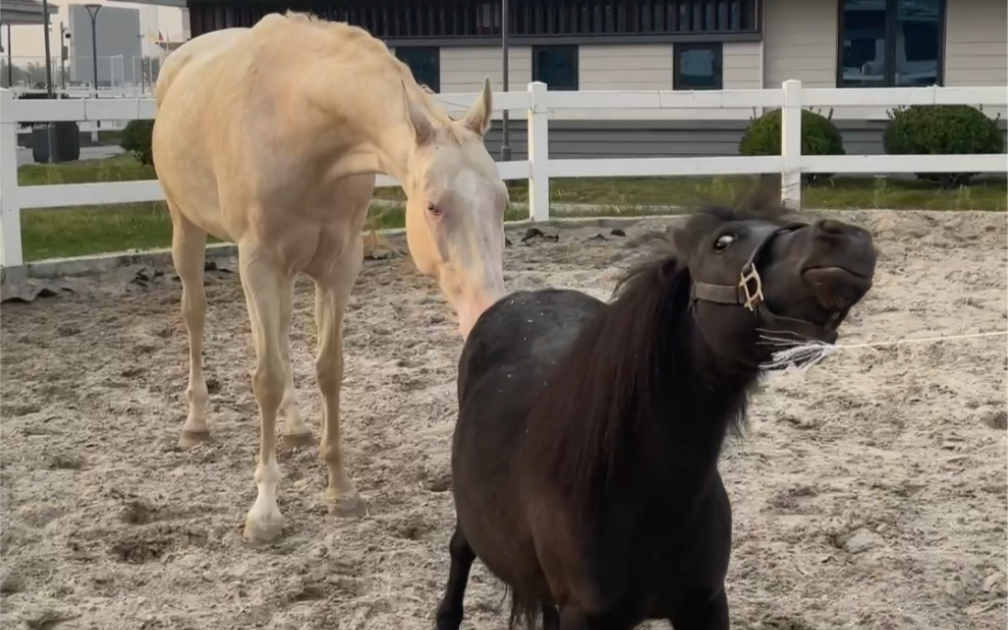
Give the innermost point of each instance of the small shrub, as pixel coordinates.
(819, 137)
(942, 130)
(136, 139)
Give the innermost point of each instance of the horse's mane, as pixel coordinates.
(370, 48)
(580, 426)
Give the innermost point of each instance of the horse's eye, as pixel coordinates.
(723, 242)
(434, 210)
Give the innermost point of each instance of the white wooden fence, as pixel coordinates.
(536, 103)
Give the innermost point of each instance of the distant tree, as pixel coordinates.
(17, 73)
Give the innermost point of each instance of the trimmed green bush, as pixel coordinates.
(136, 139)
(942, 130)
(819, 137)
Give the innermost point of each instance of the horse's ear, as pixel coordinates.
(423, 127)
(681, 244)
(479, 117)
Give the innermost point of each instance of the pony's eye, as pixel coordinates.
(723, 242)
(434, 210)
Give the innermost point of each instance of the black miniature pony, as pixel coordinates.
(585, 456)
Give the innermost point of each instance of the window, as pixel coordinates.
(556, 66)
(890, 43)
(424, 62)
(697, 67)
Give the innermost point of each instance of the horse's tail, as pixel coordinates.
(523, 609)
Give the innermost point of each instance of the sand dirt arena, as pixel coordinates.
(870, 493)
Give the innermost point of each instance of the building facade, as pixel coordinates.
(119, 46)
(451, 46)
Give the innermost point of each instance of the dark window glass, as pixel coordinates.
(424, 62)
(483, 18)
(889, 42)
(918, 40)
(697, 67)
(864, 42)
(556, 66)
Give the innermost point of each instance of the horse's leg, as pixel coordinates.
(573, 618)
(449, 614)
(267, 293)
(296, 432)
(188, 254)
(331, 296)
(705, 614)
(550, 617)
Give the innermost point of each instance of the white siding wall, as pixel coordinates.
(800, 39)
(976, 45)
(464, 69)
(622, 67)
(649, 67)
(800, 42)
(613, 67)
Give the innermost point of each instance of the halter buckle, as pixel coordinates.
(752, 298)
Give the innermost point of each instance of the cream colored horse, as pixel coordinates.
(270, 137)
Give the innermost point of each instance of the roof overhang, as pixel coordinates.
(24, 12)
(160, 3)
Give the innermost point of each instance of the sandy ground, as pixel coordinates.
(871, 492)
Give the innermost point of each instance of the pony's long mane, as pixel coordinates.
(637, 352)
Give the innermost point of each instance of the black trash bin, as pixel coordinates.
(67, 137)
(40, 143)
(67, 142)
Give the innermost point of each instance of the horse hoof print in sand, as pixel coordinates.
(584, 460)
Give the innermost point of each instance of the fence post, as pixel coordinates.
(791, 133)
(11, 257)
(538, 152)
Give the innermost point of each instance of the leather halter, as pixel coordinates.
(749, 293)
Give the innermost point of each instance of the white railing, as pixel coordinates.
(536, 103)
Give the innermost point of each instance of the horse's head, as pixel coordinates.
(455, 207)
(757, 275)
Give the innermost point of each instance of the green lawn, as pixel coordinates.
(59, 232)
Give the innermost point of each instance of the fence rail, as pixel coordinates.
(535, 103)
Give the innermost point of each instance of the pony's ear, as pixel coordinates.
(423, 127)
(479, 117)
(681, 244)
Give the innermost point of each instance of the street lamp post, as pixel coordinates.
(51, 127)
(505, 127)
(10, 62)
(93, 10)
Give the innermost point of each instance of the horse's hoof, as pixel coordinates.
(260, 533)
(350, 507)
(189, 439)
(299, 440)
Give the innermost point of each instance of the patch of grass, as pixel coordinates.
(87, 230)
(120, 168)
(83, 230)
(79, 231)
(629, 193)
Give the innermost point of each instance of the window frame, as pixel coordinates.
(890, 46)
(576, 65)
(717, 47)
(437, 61)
